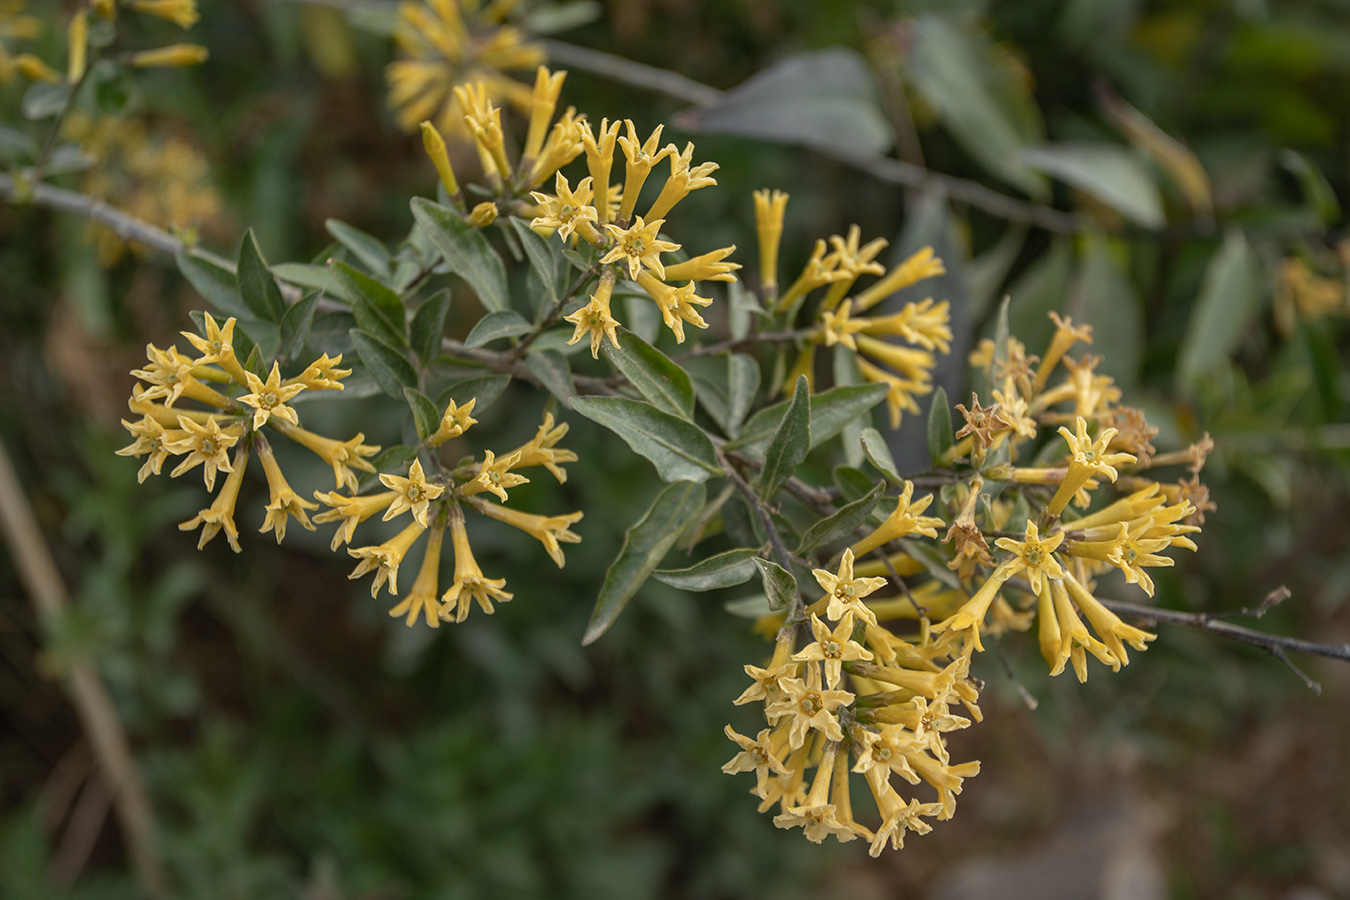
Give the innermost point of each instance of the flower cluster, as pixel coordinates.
(861, 698)
(924, 326)
(240, 404)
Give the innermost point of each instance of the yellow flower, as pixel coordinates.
(922, 264)
(845, 592)
(182, 13)
(1087, 458)
(599, 160)
(217, 347)
(1073, 637)
(639, 245)
(901, 393)
(640, 157)
(816, 816)
(759, 756)
(568, 211)
(484, 121)
(384, 559)
(34, 69)
(414, 493)
(683, 180)
(77, 39)
(1035, 555)
(832, 648)
(594, 318)
(708, 267)
(350, 511)
(770, 206)
(906, 519)
(1065, 337)
(819, 270)
(170, 376)
(1114, 633)
(284, 502)
(563, 146)
(676, 304)
(322, 375)
(206, 445)
(548, 530)
(152, 441)
(220, 514)
(836, 327)
(422, 598)
(469, 583)
(434, 145)
(456, 421)
(543, 101)
(495, 476)
(852, 261)
(810, 707)
(343, 456)
(269, 398)
(170, 57)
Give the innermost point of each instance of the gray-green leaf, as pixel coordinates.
(779, 584)
(257, 287)
(378, 308)
(465, 250)
(723, 570)
(790, 443)
(662, 383)
(843, 523)
(680, 450)
(388, 365)
(1109, 173)
(496, 325)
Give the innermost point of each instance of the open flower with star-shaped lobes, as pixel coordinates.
(548, 530)
(758, 755)
(594, 318)
(845, 592)
(907, 518)
(384, 559)
(767, 683)
(836, 326)
(816, 815)
(677, 305)
(1034, 555)
(852, 261)
(152, 441)
(350, 512)
(567, 210)
(832, 648)
(284, 503)
(217, 347)
(542, 450)
(170, 376)
(323, 374)
(206, 445)
(423, 599)
(456, 421)
(220, 514)
(810, 706)
(495, 475)
(414, 493)
(343, 456)
(1088, 458)
(268, 398)
(683, 179)
(470, 584)
(639, 247)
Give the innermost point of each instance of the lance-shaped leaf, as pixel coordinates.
(939, 425)
(723, 570)
(545, 260)
(842, 523)
(551, 368)
(216, 283)
(483, 388)
(1228, 299)
(790, 442)
(742, 385)
(378, 309)
(661, 383)
(1108, 173)
(308, 275)
(257, 288)
(428, 326)
(388, 365)
(465, 251)
(426, 416)
(878, 453)
(369, 250)
(296, 322)
(645, 544)
(501, 324)
(830, 412)
(680, 450)
(779, 584)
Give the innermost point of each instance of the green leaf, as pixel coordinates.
(878, 452)
(821, 98)
(662, 383)
(956, 71)
(709, 375)
(307, 275)
(545, 260)
(644, 546)
(1108, 172)
(496, 325)
(388, 365)
(465, 250)
(426, 416)
(378, 309)
(1317, 191)
(257, 287)
(843, 523)
(1103, 297)
(370, 250)
(756, 606)
(790, 443)
(1228, 299)
(1037, 291)
(43, 100)
(428, 326)
(680, 450)
(551, 368)
(723, 570)
(215, 283)
(846, 372)
(483, 388)
(853, 483)
(742, 386)
(295, 324)
(939, 425)
(780, 587)
(830, 412)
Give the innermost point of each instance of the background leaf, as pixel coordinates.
(1107, 172)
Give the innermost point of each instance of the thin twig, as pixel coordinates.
(662, 81)
(92, 702)
(1030, 701)
(766, 337)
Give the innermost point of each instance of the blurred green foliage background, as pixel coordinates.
(299, 743)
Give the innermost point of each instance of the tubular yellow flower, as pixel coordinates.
(639, 245)
(495, 476)
(343, 456)
(170, 376)
(708, 267)
(322, 375)
(599, 160)
(682, 181)
(434, 145)
(819, 270)
(1064, 338)
(594, 318)
(640, 157)
(152, 441)
(1074, 637)
(469, 582)
(568, 211)
(1088, 458)
(836, 326)
(810, 706)
(543, 101)
(170, 57)
(913, 364)
(422, 598)
(284, 502)
(484, 214)
(414, 493)
(845, 592)
(77, 39)
(182, 13)
(832, 648)
(34, 69)
(385, 559)
(350, 512)
(816, 816)
(676, 304)
(925, 323)
(1035, 555)
(760, 756)
(205, 445)
(217, 347)
(1113, 632)
(922, 264)
(852, 261)
(456, 421)
(269, 398)
(900, 397)
(484, 121)
(907, 518)
(563, 146)
(220, 514)
(770, 206)
(548, 530)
